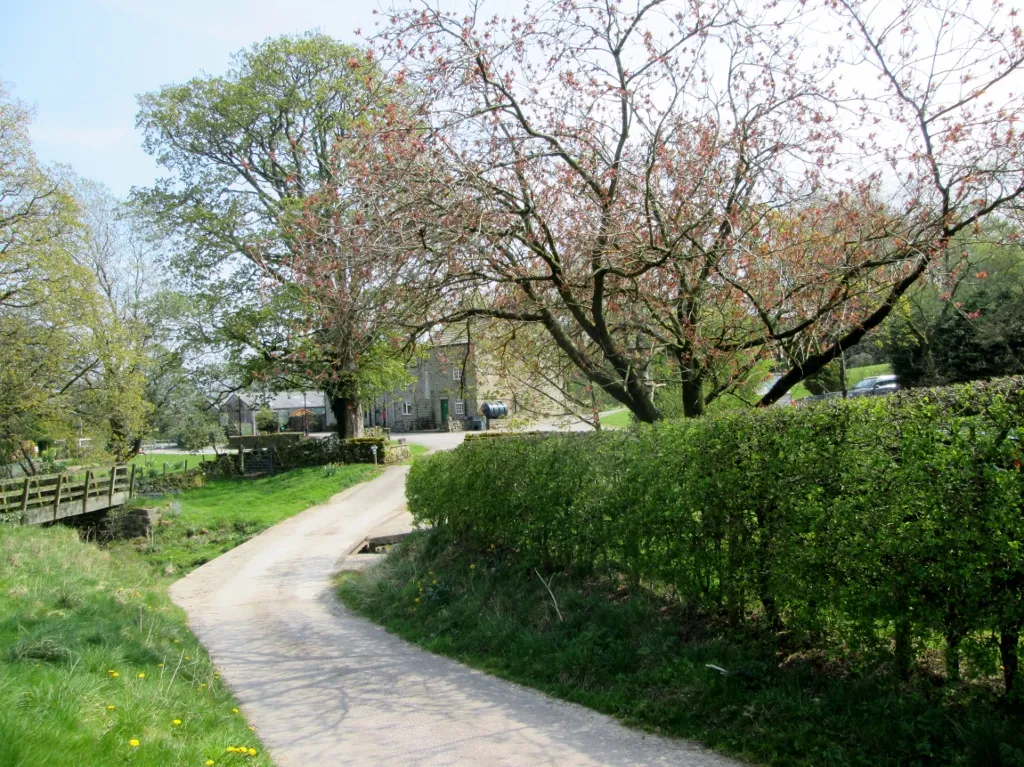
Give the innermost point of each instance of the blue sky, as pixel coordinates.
(80, 63)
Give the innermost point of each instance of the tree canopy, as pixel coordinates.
(691, 182)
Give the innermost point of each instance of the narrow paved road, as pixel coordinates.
(326, 687)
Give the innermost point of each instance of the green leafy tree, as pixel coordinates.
(967, 322)
(46, 297)
(266, 420)
(244, 154)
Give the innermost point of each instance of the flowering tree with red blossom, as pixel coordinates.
(694, 187)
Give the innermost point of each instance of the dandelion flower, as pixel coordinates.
(252, 752)
(142, 676)
(134, 742)
(110, 708)
(472, 567)
(138, 593)
(187, 658)
(114, 674)
(234, 711)
(208, 762)
(230, 749)
(252, 728)
(176, 723)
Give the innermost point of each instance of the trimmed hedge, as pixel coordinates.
(889, 527)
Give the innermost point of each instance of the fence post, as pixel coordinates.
(241, 457)
(271, 458)
(165, 468)
(24, 501)
(113, 481)
(131, 484)
(85, 491)
(56, 497)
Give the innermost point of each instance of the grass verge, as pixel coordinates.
(97, 666)
(201, 524)
(635, 655)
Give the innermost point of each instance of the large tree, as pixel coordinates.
(715, 185)
(248, 155)
(46, 297)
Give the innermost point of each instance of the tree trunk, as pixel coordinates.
(693, 394)
(349, 416)
(1008, 643)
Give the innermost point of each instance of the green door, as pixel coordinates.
(444, 412)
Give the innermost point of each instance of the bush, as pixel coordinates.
(267, 421)
(879, 528)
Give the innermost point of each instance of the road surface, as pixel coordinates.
(324, 686)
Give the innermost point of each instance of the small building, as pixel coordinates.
(295, 411)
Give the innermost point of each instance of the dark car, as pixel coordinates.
(875, 386)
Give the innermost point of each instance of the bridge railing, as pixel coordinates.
(67, 493)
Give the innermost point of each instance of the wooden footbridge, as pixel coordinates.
(50, 497)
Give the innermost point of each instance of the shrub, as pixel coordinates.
(880, 526)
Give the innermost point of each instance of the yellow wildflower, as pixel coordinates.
(114, 674)
(230, 749)
(176, 723)
(252, 728)
(472, 567)
(110, 708)
(142, 676)
(208, 762)
(134, 742)
(252, 752)
(159, 665)
(417, 599)
(234, 711)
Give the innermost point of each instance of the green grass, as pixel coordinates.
(71, 616)
(853, 377)
(639, 656)
(153, 463)
(619, 419)
(201, 524)
(415, 450)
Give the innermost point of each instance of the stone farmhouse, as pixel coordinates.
(443, 394)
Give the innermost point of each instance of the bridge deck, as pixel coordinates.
(51, 497)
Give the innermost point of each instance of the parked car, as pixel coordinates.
(875, 386)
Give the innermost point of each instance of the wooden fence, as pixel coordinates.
(50, 497)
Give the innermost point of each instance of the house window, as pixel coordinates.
(407, 408)
(460, 407)
(457, 373)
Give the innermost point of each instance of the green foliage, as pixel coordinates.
(266, 420)
(851, 526)
(965, 324)
(72, 615)
(828, 379)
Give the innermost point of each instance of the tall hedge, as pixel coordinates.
(887, 525)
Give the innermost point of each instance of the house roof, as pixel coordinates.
(293, 400)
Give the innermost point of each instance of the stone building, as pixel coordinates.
(442, 396)
(295, 411)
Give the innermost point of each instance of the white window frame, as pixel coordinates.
(406, 407)
(456, 373)
(460, 407)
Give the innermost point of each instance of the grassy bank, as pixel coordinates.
(201, 524)
(633, 654)
(97, 666)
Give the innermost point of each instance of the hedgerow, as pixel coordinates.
(877, 528)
